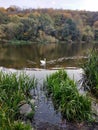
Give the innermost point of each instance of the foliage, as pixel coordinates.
(57, 25)
(3, 18)
(64, 92)
(21, 126)
(90, 76)
(88, 34)
(13, 90)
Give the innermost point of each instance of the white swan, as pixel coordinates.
(43, 62)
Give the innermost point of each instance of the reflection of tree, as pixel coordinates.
(20, 55)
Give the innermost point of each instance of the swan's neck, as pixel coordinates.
(45, 59)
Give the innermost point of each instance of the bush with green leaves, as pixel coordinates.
(14, 89)
(66, 98)
(90, 77)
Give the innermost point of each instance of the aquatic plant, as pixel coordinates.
(14, 89)
(66, 98)
(90, 77)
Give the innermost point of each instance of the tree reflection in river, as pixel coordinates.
(29, 56)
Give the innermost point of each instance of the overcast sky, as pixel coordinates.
(91, 5)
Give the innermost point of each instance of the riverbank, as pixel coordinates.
(46, 117)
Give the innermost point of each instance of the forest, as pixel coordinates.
(47, 25)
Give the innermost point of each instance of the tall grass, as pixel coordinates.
(66, 98)
(90, 76)
(13, 90)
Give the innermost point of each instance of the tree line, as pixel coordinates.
(52, 25)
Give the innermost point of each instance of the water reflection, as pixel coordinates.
(57, 55)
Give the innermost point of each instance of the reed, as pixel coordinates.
(67, 99)
(14, 89)
(90, 77)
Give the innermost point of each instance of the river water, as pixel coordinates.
(46, 117)
(27, 58)
(57, 55)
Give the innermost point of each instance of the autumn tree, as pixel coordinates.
(88, 34)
